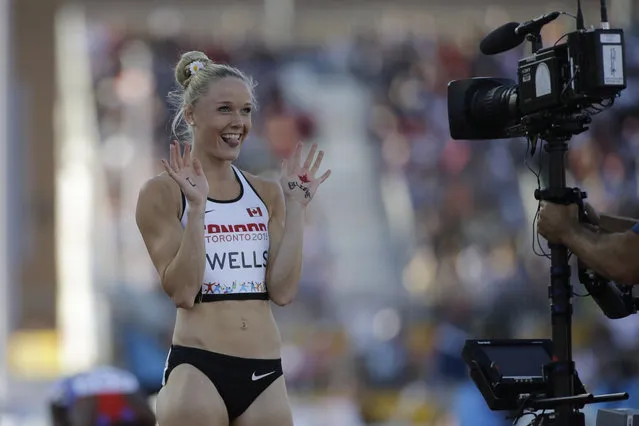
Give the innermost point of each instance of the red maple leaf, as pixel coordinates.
(304, 178)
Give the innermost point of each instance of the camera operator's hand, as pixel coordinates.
(557, 220)
(610, 254)
(593, 215)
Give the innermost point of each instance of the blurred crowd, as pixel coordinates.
(472, 271)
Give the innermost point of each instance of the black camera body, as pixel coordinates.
(588, 69)
(556, 85)
(544, 80)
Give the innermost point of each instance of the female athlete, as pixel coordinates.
(225, 243)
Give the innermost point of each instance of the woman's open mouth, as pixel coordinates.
(231, 139)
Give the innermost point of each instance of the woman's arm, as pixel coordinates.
(176, 252)
(298, 184)
(286, 234)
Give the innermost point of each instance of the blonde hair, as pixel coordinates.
(195, 83)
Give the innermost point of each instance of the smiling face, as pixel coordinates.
(221, 118)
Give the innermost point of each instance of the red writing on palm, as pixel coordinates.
(304, 178)
(298, 180)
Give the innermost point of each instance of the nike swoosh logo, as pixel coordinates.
(209, 211)
(261, 376)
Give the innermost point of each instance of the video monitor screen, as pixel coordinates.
(518, 361)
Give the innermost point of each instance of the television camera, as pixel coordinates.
(559, 89)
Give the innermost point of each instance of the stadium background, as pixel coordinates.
(415, 243)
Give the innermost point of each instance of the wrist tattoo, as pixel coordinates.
(189, 180)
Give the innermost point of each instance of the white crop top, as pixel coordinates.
(236, 241)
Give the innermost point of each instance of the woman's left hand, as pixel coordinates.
(298, 180)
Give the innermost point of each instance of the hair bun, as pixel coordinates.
(183, 72)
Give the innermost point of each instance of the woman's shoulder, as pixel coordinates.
(160, 189)
(162, 183)
(267, 188)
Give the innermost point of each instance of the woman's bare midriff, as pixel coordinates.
(242, 328)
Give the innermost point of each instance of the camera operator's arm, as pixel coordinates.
(609, 223)
(615, 256)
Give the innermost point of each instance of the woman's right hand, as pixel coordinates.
(187, 173)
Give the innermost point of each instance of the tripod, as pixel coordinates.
(561, 372)
(507, 372)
